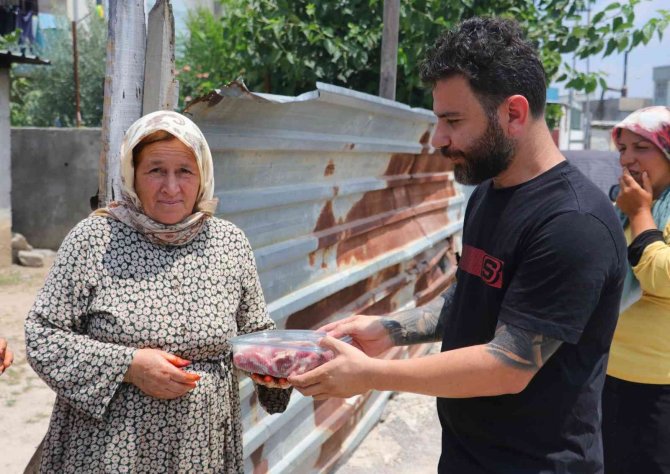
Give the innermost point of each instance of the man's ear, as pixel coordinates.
(515, 115)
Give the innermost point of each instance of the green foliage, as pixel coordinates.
(282, 46)
(10, 41)
(553, 114)
(44, 96)
(285, 46)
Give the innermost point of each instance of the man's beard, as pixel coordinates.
(490, 155)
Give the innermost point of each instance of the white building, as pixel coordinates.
(662, 85)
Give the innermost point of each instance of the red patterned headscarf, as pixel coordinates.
(652, 123)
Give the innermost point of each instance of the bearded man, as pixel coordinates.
(526, 329)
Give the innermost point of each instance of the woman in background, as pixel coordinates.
(636, 397)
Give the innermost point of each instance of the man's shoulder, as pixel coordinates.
(590, 199)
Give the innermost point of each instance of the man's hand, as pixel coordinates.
(346, 375)
(159, 374)
(6, 356)
(368, 333)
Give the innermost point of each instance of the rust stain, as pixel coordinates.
(365, 247)
(440, 273)
(411, 207)
(316, 314)
(424, 138)
(326, 218)
(330, 168)
(385, 306)
(341, 421)
(323, 409)
(253, 399)
(261, 465)
(391, 209)
(400, 164)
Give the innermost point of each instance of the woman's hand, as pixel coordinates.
(368, 333)
(6, 356)
(634, 199)
(269, 381)
(159, 374)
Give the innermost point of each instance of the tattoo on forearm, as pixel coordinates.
(521, 349)
(422, 324)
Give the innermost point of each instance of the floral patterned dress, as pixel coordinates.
(111, 292)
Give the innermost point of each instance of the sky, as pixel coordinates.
(641, 60)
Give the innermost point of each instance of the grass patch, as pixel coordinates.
(37, 418)
(12, 376)
(10, 279)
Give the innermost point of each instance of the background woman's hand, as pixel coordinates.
(633, 198)
(368, 333)
(6, 356)
(159, 374)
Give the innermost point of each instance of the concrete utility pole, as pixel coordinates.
(124, 87)
(389, 61)
(161, 91)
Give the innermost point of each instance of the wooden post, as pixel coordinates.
(75, 65)
(160, 87)
(124, 82)
(389, 60)
(5, 171)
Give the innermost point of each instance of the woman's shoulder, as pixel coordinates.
(85, 227)
(90, 229)
(223, 228)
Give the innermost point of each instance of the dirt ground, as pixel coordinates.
(406, 441)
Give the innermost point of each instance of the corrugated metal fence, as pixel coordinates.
(348, 211)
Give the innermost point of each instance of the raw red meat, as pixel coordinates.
(278, 362)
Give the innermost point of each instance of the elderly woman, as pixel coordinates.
(636, 398)
(131, 328)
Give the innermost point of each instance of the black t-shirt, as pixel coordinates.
(547, 256)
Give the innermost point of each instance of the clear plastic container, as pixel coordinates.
(280, 353)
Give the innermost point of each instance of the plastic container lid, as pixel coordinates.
(288, 338)
(280, 353)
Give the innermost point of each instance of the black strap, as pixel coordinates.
(637, 246)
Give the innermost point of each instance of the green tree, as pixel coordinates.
(10, 41)
(44, 96)
(285, 46)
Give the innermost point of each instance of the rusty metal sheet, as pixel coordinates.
(348, 210)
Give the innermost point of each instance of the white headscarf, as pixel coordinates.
(129, 209)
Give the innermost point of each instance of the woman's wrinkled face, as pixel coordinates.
(167, 180)
(639, 155)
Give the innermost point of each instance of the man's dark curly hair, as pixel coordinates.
(495, 58)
